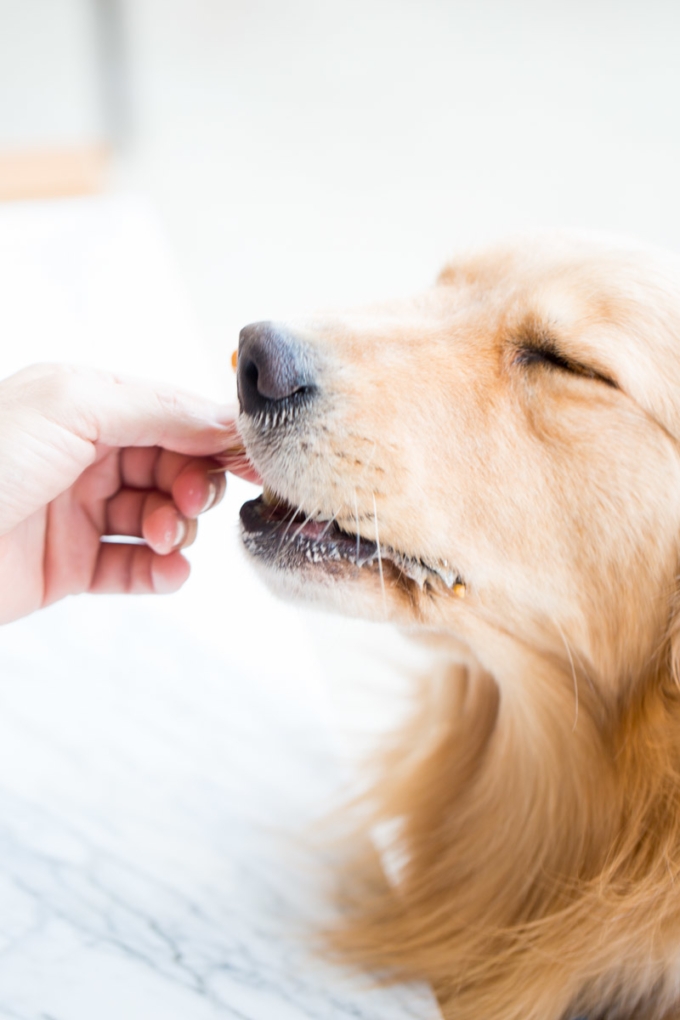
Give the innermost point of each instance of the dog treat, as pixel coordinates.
(234, 360)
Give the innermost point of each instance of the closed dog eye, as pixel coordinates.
(549, 355)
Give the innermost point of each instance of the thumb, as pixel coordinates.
(117, 410)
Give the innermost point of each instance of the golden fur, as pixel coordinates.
(518, 425)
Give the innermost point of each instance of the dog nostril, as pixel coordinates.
(250, 374)
(273, 365)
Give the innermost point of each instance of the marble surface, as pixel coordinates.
(161, 760)
(154, 806)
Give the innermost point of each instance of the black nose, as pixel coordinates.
(273, 365)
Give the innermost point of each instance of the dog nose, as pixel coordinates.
(273, 365)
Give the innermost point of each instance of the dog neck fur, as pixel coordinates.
(530, 812)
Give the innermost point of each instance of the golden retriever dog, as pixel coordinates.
(495, 465)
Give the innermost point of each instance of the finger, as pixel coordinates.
(137, 570)
(145, 467)
(197, 489)
(154, 468)
(164, 528)
(149, 515)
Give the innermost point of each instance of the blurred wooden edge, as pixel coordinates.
(52, 173)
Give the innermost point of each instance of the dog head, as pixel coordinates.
(496, 458)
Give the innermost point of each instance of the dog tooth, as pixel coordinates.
(447, 576)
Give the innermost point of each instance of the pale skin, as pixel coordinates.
(86, 454)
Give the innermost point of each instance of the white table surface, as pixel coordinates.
(160, 759)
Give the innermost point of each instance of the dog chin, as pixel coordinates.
(357, 594)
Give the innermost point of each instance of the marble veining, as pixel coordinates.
(153, 810)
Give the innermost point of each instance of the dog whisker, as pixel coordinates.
(291, 517)
(331, 521)
(306, 521)
(380, 566)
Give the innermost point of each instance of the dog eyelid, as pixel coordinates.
(550, 355)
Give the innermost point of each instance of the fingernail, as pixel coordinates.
(164, 582)
(163, 585)
(211, 497)
(180, 533)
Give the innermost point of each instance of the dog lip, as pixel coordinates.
(267, 521)
(274, 533)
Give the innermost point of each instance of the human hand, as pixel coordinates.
(86, 454)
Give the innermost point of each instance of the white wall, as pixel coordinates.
(307, 152)
(49, 87)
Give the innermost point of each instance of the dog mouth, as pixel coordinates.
(285, 537)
